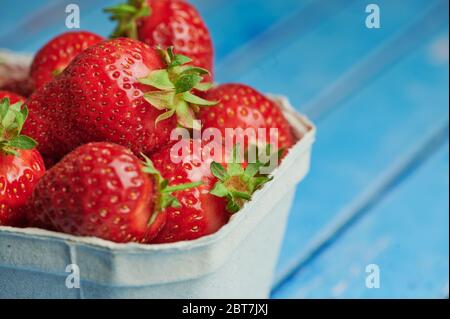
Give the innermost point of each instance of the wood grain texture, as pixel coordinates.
(405, 235)
(380, 100)
(380, 131)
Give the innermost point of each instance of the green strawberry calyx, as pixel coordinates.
(57, 71)
(236, 184)
(164, 191)
(12, 119)
(127, 14)
(174, 87)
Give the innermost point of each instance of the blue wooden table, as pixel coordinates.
(376, 200)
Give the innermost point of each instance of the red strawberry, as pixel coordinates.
(243, 107)
(56, 55)
(21, 165)
(48, 121)
(120, 91)
(103, 190)
(166, 23)
(206, 208)
(12, 97)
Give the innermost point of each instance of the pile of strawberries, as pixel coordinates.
(102, 118)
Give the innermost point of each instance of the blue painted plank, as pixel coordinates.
(232, 22)
(361, 140)
(331, 27)
(303, 67)
(38, 27)
(15, 13)
(406, 236)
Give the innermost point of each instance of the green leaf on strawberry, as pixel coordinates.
(235, 183)
(12, 119)
(196, 100)
(158, 79)
(174, 89)
(164, 191)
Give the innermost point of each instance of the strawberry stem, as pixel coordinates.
(127, 14)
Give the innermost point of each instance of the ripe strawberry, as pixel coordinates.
(12, 97)
(166, 23)
(21, 165)
(206, 208)
(243, 107)
(56, 55)
(103, 190)
(120, 91)
(47, 122)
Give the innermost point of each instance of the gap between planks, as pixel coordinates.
(41, 19)
(395, 176)
(400, 45)
(384, 57)
(310, 17)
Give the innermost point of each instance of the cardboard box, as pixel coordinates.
(236, 262)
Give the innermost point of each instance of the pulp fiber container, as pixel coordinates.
(236, 262)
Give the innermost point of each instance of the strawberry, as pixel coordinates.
(11, 96)
(224, 190)
(56, 55)
(103, 190)
(120, 91)
(21, 165)
(243, 107)
(47, 122)
(166, 23)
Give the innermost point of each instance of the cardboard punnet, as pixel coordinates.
(236, 262)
